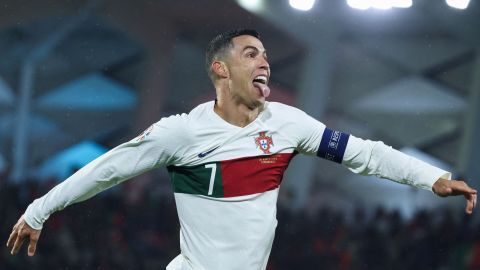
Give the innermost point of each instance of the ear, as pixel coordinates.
(220, 69)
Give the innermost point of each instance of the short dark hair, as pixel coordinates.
(218, 45)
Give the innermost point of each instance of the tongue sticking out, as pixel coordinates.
(263, 88)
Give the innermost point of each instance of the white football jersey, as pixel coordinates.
(226, 178)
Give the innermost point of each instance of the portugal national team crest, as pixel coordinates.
(264, 142)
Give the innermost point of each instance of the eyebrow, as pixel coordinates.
(253, 48)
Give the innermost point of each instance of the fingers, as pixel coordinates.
(12, 238)
(18, 243)
(469, 207)
(471, 202)
(32, 246)
(452, 188)
(460, 187)
(21, 231)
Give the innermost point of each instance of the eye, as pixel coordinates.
(251, 55)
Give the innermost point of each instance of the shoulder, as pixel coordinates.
(200, 112)
(182, 121)
(171, 123)
(285, 112)
(278, 107)
(181, 126)
(281, 106)
(299, 121)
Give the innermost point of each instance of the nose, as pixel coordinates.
(264, 64)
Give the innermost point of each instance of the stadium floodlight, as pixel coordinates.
(302, 4)
(254, 6)
(460, 4)
(401, 3)
(381, 4)
(359, 4)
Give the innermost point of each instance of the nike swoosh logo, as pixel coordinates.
(203, 154)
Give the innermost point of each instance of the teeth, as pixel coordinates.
(261, 79)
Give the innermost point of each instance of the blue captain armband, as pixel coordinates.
(333, 145)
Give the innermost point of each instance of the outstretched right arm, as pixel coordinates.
(151, 149)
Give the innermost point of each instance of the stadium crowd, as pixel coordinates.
(107, 232)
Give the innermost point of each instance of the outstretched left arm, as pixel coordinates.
(375, 158)
(367, 157)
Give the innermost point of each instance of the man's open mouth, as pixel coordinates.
(260, 82)
(261, 79)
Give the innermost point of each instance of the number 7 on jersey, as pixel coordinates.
(212, 177)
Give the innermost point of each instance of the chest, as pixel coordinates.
(241, 162)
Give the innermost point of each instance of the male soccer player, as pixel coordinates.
(226, 159)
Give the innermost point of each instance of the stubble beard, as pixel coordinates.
(243, 97)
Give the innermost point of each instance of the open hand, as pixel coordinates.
(20, 232)
(444, 188)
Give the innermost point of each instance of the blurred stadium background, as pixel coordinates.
(79, 77)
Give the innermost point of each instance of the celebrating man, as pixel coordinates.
(226, 160)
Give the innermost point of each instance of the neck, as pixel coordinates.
(233, 111)
(239, 115)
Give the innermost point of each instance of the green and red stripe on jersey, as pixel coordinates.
(231, 178)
